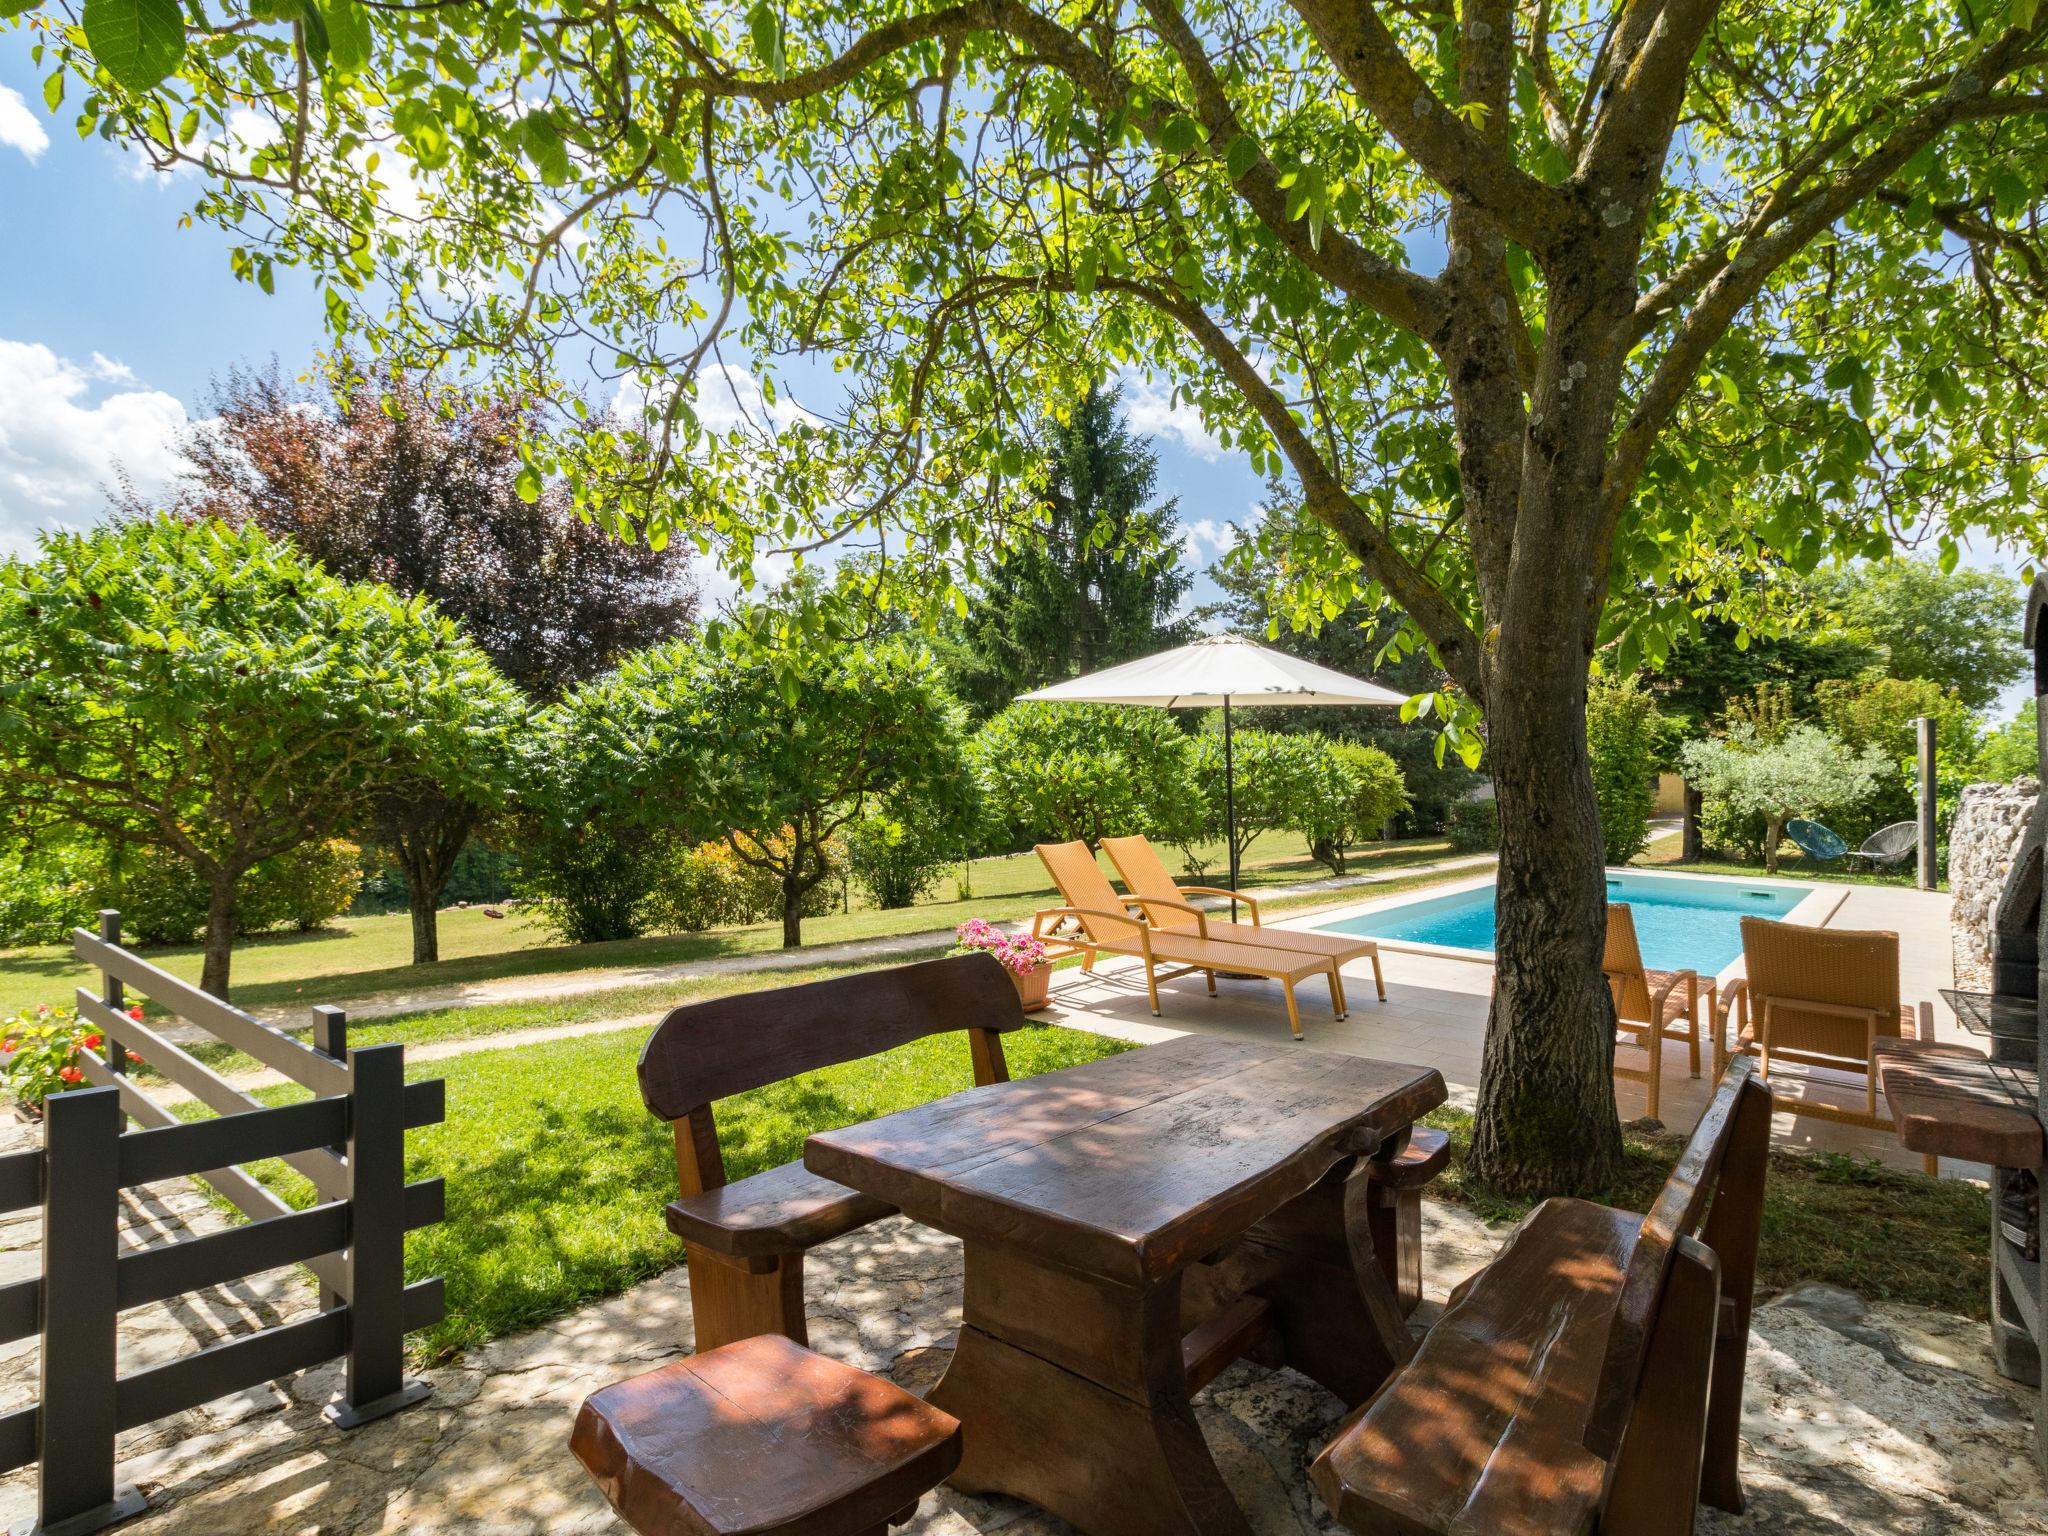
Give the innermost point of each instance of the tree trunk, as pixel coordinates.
(1547, 1121)
(221, 896)
(1774, 834)
(1692, 847)
(427, 851)
(793, 892)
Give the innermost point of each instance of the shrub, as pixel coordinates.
(1473, 826)
(1370, 792)
(305, 889)
(711, 886)
(591, 883)
(896, 861)
(48, 886)
(1061, 772)
(1622, 735)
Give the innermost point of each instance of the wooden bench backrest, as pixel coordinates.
(1720, 1178)
(702, 1052)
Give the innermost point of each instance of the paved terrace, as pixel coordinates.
(1435, 1014)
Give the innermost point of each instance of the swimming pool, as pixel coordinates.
(1682, 922)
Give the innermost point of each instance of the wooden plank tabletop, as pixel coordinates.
(1131, 1166)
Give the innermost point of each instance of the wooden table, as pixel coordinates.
(1131, 1226)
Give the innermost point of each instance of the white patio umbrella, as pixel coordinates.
(1217, 670)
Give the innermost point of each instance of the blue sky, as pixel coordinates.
(114, 321)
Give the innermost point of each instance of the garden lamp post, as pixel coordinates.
(1223, 670)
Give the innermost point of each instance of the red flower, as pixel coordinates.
(7, 1046)
(72, 1075)
(135, 1056)
(92, 1042)
(135, 1012)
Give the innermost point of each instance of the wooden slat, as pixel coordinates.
(426, 1103)
(21, 1180)
(233, 1185)
(18, 1437)
(20, 1309)
(193, 1263)
(247, 1137)
(328, 1173)
(272, 1047)
(231, 1366)
(426, 1202)
(1211, 1345)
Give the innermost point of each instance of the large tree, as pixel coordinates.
(1958, 629)
(1093, 579)
(215, 694)
(1561, 314)
(392, 478)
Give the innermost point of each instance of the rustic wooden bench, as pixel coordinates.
(745, 1240)
(763, 1438)
(1591, 1376)
(1394, 1214)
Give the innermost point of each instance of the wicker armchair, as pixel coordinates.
(1822, 997)
(1651, 1006)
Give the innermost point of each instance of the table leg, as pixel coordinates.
(1072, 1395)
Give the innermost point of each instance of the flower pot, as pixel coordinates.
(1032, 987)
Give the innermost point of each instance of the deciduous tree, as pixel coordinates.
(214, 693)
(1555, 373)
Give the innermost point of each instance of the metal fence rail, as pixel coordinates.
(348, 1141)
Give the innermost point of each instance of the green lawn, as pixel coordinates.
(366, 957)
(1792, 865)
(557, 1174)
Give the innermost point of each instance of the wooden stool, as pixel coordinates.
(1396, 1209)
(763, 1438)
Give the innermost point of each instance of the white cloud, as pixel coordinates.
(67, 432)
(19, 127)
(1151, 410)
(1208, 539)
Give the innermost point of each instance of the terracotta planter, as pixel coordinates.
(1031, 989)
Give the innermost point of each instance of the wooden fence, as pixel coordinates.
(348, 1140)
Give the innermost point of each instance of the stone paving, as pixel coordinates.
(1869, 1420)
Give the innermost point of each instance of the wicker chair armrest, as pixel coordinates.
(1671, 984)
(1218, 890)
(1149, 902)
(1038, 919)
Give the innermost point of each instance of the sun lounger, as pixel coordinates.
(1105, 924)
(1145, 874)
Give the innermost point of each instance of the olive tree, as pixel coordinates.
(212, 693)
(1567, 316)
(1805, 772)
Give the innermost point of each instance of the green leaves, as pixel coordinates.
(347, 26)
(1241, 156)
(140, 43)
(764, 30)
(542, 143)
(12, 8)
(528, 485)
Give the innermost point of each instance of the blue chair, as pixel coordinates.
(1815, 840)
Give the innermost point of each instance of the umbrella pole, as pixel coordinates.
(1230, 806)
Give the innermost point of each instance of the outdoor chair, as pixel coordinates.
(1816, 841)
(1590, 1377)
(1104, 923)
(1145, 874)
(1822, 997)
(1650, 1006)
(1890, 846)
(761, 1437)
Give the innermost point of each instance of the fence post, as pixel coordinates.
(111, 991)
(377, 1383)
(330, 1038)
(80, 1303)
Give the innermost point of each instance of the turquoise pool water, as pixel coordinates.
(1681, 924)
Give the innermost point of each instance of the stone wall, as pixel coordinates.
(1990, 821)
